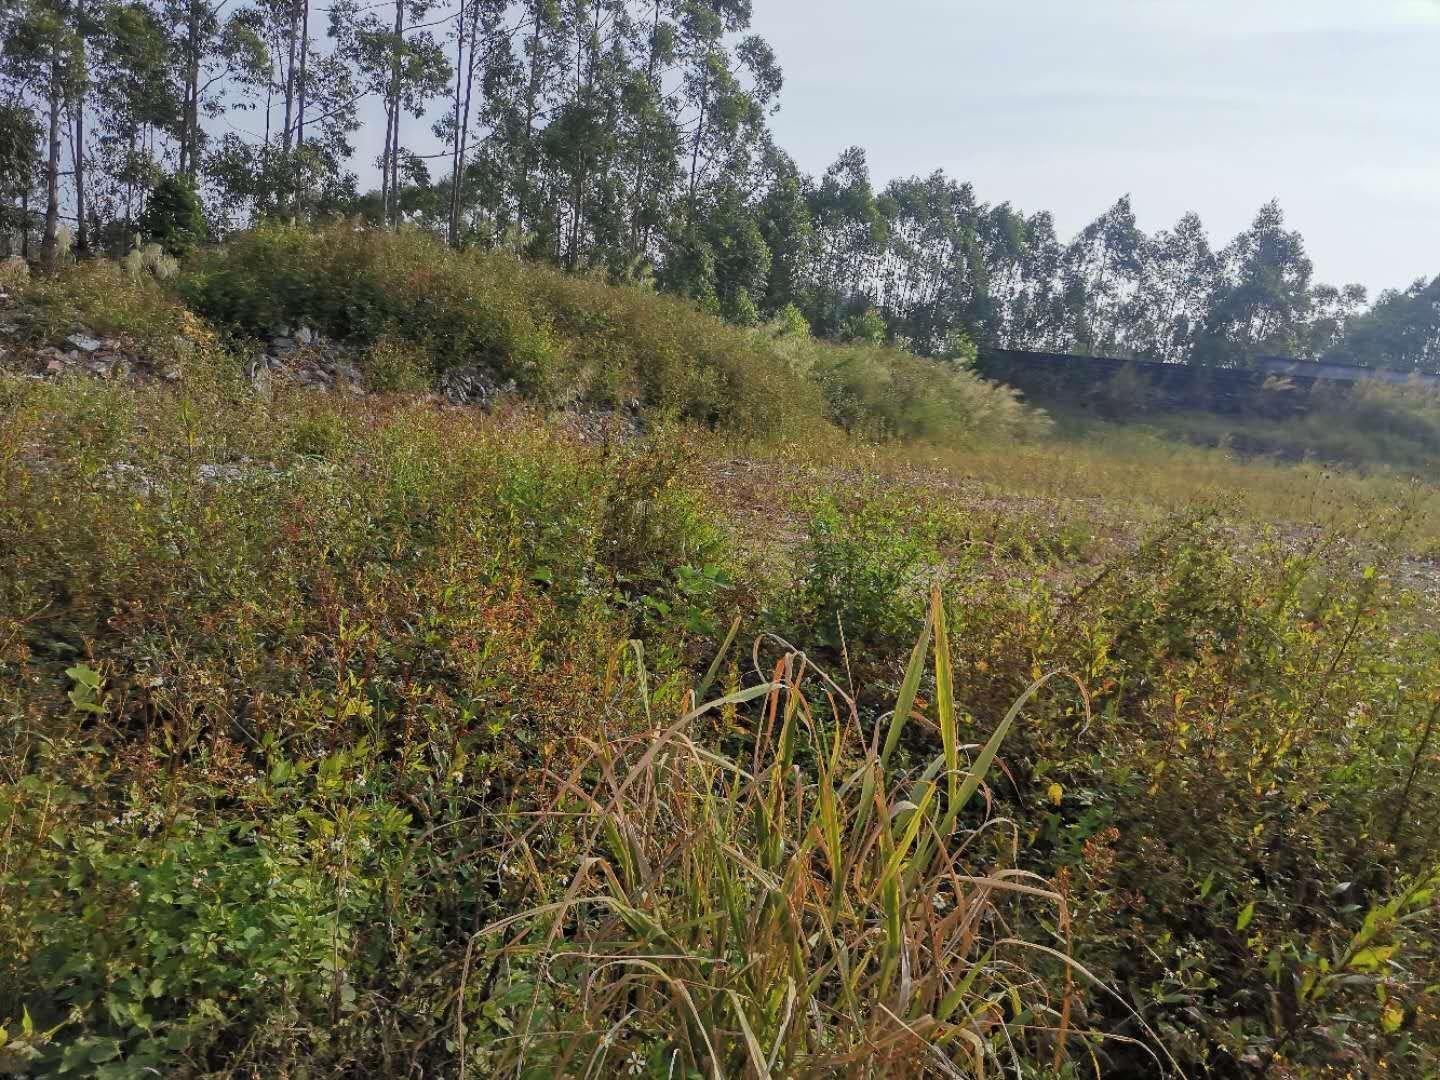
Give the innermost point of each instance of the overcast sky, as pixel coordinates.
(1333, 106)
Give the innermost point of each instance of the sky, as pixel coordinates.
(1214, 106)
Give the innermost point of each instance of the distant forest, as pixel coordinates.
(626, 138)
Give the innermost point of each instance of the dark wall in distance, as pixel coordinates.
(1276, 387)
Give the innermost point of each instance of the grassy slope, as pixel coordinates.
(280, 738)
(564, 339)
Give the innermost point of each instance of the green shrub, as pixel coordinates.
(14, 271)
(355, 284)
(174, 217)
(882, 392)
(864, 570)
(393, 365)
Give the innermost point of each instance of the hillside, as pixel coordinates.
(420, 663)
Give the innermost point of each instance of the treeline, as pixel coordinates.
(628, 138)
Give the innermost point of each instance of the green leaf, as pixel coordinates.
(1246, 914)
(1372, 958)
(1391, 1017)
(104, 1050)
(84, 675)
(1207, 885)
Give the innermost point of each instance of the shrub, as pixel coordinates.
(393, 365)
(882, 392)
(300, 695)
(174, 217)
(360, 285)
(862, 572)
(14, 271)
(149, 258)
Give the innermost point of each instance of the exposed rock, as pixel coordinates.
(258, 372)
(236, 471)
(604, 425)
(473, 385)
(216, 474)
(83, 342)
(312, 378)
(124, 474)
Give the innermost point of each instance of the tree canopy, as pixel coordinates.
(627, 138)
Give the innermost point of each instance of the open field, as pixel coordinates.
(364, 733)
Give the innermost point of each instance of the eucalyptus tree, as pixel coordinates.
(1333, 309)
(1036, 315)
(652, 117)
(135, 97)
(931, 266)
(1002, 238)
(42, 60)
(216, 59)
(407, 68)
(1178, 287)
(583, 148)
(544, 57)
(1102, 271)
(19, 159)
(783, 219)
(1402, 330)
(851, 234)
(1263, 301)
(727, 96)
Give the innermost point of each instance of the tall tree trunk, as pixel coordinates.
(465, 117)
(532, 92)
(190, 129)
(82, 232)
(130, 182)
(385, 165)
(577, 196)
(289, 129)
(300, 118)
(304, 63)
(640, 229)
(77, 159)
(393, 209)
(284, 196)
(395, 164)
(695, 151)
(50, 249)
(450, 236)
